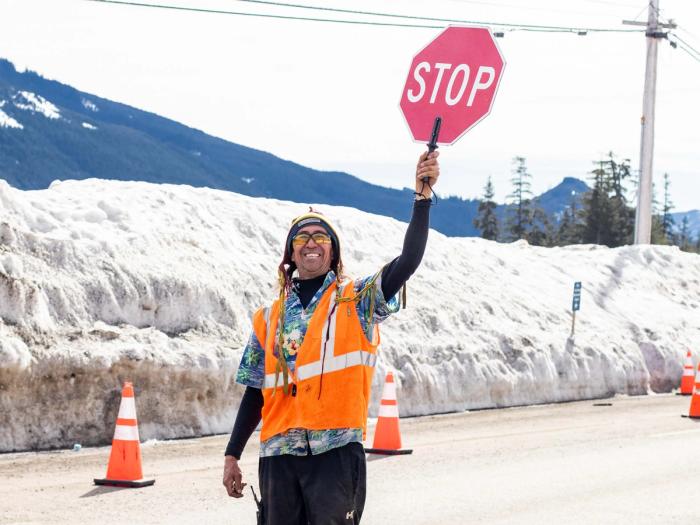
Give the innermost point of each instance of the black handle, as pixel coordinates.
(432, 145)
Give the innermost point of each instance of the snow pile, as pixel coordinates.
(29, 101)
(6, 121)
(102, 282)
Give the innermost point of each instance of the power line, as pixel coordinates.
(431, 19)
(692, 55)
(259, 15)
(640, 13)
(687, 32)
(685, 46)
(520, 7)
(674, 35)
(515, 27)
(616, 4)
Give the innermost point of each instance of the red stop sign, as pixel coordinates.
(454, 77)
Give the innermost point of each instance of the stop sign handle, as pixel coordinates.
(432, 145)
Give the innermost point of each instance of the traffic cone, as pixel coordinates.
(124, 468)
(387, 436)
(695, 400)
(688, 376)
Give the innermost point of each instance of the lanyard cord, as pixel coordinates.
(431, 189)
(325, 343)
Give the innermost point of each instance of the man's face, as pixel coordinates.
(312, 258)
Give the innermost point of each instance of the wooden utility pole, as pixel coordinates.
(642, 223)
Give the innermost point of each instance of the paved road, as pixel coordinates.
(636, 462)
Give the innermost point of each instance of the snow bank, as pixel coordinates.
(102, 282)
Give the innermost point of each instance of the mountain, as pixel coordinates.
(51, 131)
(693, 222)
(554, 201)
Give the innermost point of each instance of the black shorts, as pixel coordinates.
(326, 489)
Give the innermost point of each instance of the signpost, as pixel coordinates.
(575, 305)
(451, 85)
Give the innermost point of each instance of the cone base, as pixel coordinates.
(389, 452)
(125, 483)
(683, 394)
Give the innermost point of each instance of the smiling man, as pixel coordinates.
(308, 369)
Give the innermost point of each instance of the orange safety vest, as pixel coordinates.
(331, 391)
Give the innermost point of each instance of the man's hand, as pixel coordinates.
(429, 167)
(233, 478)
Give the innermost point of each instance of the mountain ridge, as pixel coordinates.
(96, 137)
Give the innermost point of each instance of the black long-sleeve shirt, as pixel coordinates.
(394, 275)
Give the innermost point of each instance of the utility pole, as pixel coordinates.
(642, 223)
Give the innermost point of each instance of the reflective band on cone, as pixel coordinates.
(124, 467)
(688, 376)
(387, 436)
(388, 411)
(126, 433)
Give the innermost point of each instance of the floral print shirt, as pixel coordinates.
(251, 372)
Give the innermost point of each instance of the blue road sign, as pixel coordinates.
(576, 304)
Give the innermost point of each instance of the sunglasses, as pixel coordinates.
(300, 239)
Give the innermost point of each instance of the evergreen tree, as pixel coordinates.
(541, 232)
(606, 217)
(683, 235)
(596, 212)
(667, 219)
(487, 221)
(658, 236)
(622, 220)
(519, 219)
(569, 231)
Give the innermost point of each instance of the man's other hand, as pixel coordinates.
(233, 477)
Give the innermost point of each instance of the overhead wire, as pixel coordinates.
(258, 15)
(616, 4)
(516, 27)
(433, 19)
(675, 35)
(692, 55)
(519, 7)
(687, 32)
(685, 46)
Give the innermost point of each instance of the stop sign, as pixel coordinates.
(454, 77)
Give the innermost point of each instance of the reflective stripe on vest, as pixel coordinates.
(331, 363)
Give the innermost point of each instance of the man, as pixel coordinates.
(310, 380)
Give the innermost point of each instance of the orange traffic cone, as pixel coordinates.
(688, 376)
(695, 400)
(124, 468)
(387, 437)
